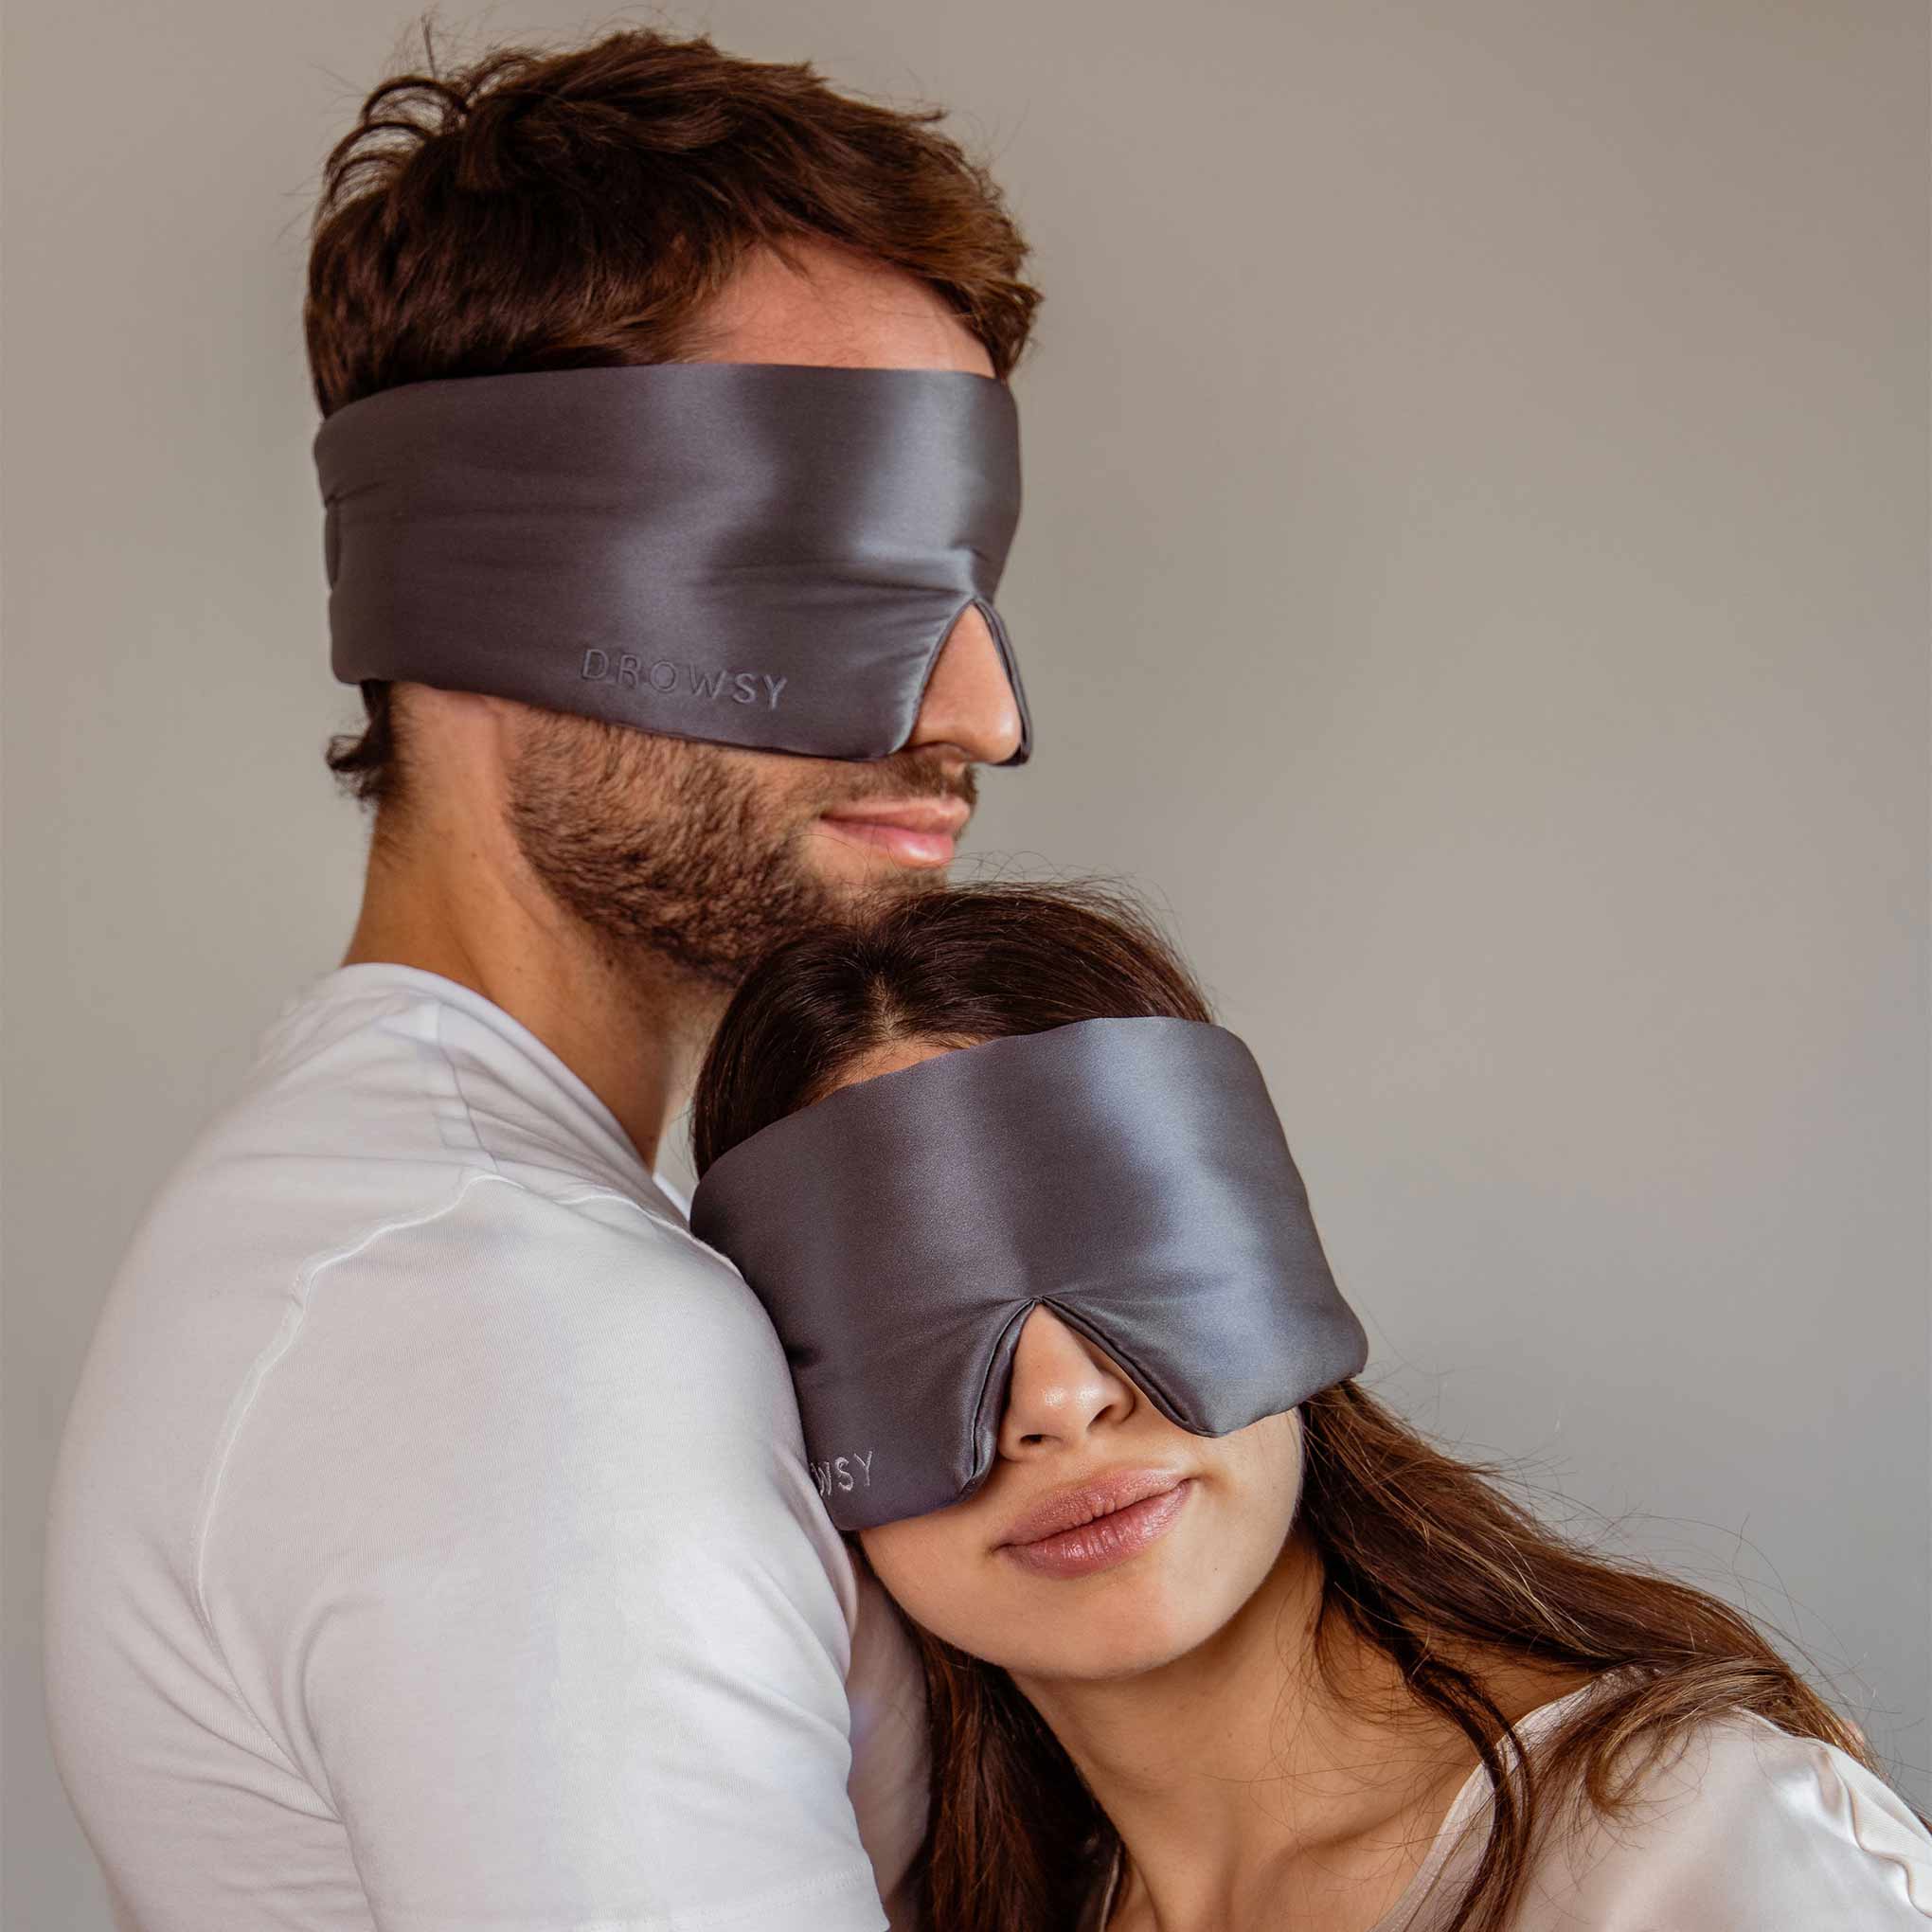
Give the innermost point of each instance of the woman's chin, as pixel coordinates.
(1139, 1624)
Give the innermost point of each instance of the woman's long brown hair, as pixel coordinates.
(1422, 1556)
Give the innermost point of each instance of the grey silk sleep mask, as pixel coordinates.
(1130, 1173)
(758, 554)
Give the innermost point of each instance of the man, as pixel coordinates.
(432, 1545)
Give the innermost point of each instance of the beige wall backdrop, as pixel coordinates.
(1475, 570)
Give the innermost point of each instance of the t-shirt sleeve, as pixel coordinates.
(1749, 1830)
(516, 1557)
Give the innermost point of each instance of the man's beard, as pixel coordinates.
(676, 847)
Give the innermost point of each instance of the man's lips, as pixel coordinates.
(915, 831)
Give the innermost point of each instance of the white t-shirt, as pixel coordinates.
(432, 1547)
(1748, 1829)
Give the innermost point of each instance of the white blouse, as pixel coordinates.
(1748, 1829)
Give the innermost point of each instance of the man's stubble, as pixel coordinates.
(694, 854)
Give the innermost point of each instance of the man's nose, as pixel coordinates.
(1062, 1389)
(969, 700)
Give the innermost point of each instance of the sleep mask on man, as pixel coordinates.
(1128, 1173)
(758, 554)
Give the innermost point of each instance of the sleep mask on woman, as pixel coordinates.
(1131, 1175)
(758, 554)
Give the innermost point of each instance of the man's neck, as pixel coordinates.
(631, 1028)
(1239, 1774)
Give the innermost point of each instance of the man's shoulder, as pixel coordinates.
(264, 1305)
(573, 1253)
(247, 1221)
(399, 1259)
(383, 1107)
(500, 1382)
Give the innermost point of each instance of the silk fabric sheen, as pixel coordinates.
(1744, 1829)
(757, 554)
(1129, 1173)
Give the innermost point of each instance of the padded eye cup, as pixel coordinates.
(758, 554)
(1129, 1173)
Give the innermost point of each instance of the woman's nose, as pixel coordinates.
(1062, 1388)
(969, 700)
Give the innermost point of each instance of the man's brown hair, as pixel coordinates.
(546, 210)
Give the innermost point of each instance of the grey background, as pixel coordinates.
(1475, 569)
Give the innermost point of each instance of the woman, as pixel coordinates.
(1281, 1663)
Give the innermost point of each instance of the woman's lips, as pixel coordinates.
(914, 832)
(1120, 1531)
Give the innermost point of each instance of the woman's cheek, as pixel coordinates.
(921, 1562)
